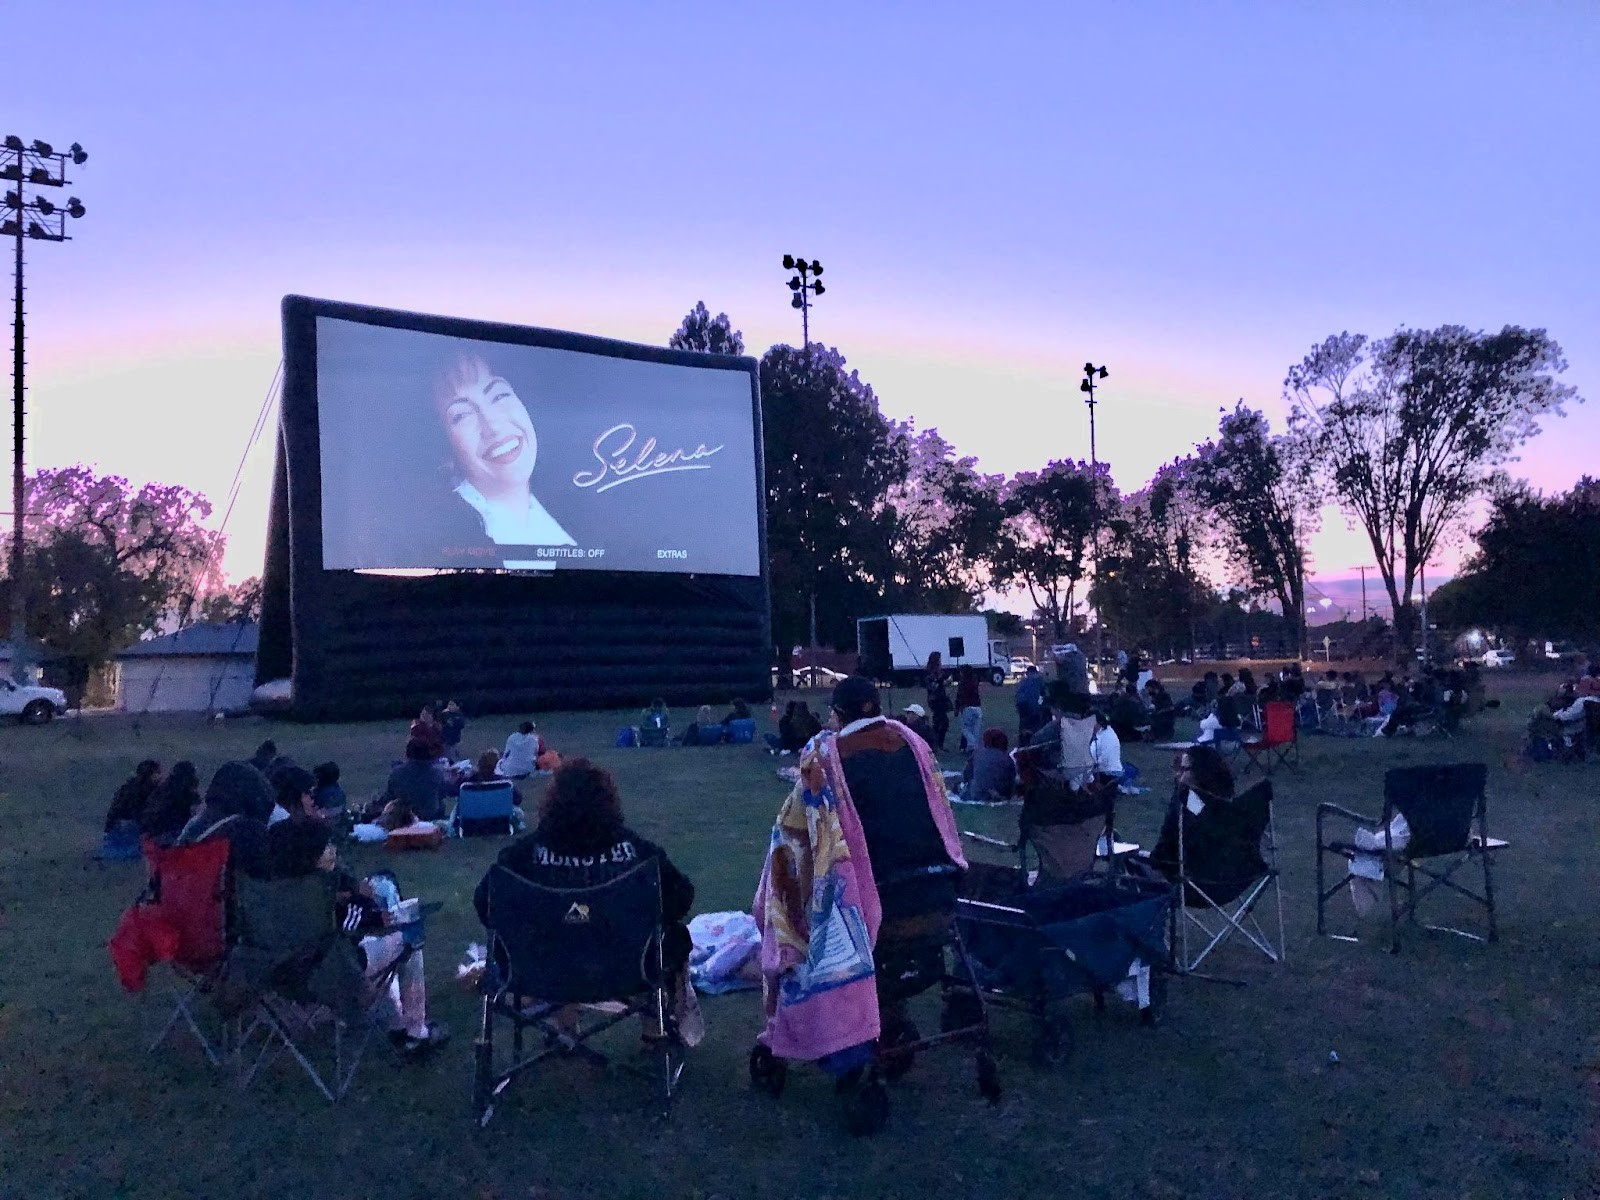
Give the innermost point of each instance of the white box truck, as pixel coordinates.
(895, 648)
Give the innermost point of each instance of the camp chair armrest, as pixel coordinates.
(984, 839)
(1336, 810)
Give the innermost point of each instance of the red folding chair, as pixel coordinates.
(184, 913)
(1279, 738)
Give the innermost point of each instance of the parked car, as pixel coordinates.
(1019, 665)
(31, 705)
(816, 677)
(1498, 658)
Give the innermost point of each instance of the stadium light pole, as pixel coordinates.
(42, 165)
(806, 286)
(1090, 374)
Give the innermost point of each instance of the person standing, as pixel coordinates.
(937, 683)
(1030, 704)
(969, 704)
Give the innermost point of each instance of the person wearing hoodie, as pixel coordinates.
(172, 805)
(238, 803)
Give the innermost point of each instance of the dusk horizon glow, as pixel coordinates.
(1193, 198)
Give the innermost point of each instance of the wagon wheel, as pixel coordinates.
(1054, 1042)
(1156, 1012)
(894, 1058)
(768, 1072)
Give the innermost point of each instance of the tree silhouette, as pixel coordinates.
(706, 334)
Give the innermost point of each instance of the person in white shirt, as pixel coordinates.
(1105, 749)
(521, 756)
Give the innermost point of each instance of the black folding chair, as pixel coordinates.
(308, 994)
(553, 950)
(1227, 864)
(1446, 812)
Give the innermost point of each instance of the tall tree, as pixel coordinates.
(1148, 586)
(106, 562)
(1536, 570)
(939, 527)
(236, 602)
(832, 459)
(1264, 501)
(1046, 540)
(1411, 428)
(707, 334)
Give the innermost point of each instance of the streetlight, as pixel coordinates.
(805, 285)
(41, 165)
(1090, 374)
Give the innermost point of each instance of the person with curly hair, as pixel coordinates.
(581, 841)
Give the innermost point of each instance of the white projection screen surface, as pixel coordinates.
(442, 452)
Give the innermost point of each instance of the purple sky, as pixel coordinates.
(1193, 194)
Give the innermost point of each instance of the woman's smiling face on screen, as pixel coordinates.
(489, 429)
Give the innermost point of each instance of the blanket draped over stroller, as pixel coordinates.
(818, 911)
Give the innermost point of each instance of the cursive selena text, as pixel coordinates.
(621, 461)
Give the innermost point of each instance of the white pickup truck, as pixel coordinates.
(31, 705)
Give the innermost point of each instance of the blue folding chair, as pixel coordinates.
(484, 810)
(551, 949)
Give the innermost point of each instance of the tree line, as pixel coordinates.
(868, 514)
(1404, 433)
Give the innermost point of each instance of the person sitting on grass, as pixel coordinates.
(740, 711)
(703, 720)
(487, 770)
(293, 786)
(796, 727)
(175, 800)
(328, 795)
(425, 729)
(238, 803)
(303, 846)
(524, 748)
(990, 776)
(121, 840)
(655, 724)
(418, 782)
(452, 724)
(915, 718)
(582, 841)
(1105, 750)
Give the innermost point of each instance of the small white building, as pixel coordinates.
(201, 668)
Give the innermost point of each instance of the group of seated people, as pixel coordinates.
(161, 805)
(1563, 728)
(655, 726)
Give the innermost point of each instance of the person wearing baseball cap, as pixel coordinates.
(915, 718)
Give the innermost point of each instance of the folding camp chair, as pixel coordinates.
(187, 894)
(554, 949)
(1278, 739)
(305, 982)
(484, 810)
(1445, 810)
(1227, 864)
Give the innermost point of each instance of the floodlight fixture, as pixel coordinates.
(44, 206)
(13, 200)
(804, 286)
(78, 154)
(75, 208)
(13, 142)
(44, 148)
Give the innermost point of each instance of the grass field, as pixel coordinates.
(1464, 1070)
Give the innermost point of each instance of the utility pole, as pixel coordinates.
(42, 165)
(1090, 374)
(1363, 570)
